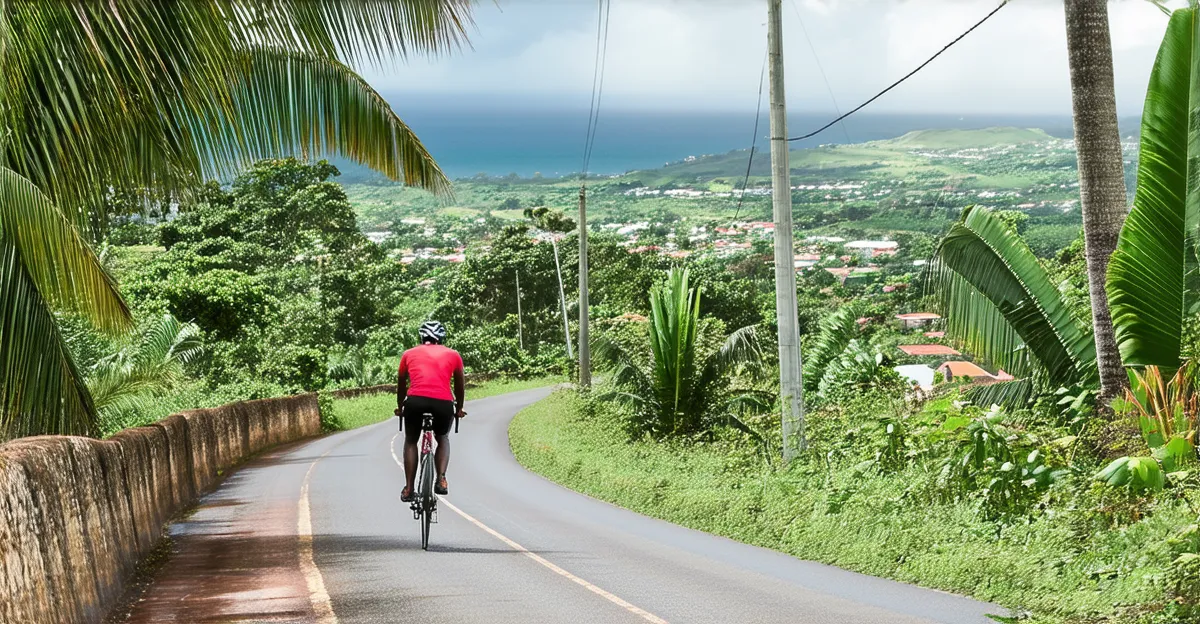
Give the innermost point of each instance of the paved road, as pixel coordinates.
(509, 546)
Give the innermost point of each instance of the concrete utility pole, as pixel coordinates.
(791, 387)
(585, 350)
(562, 298)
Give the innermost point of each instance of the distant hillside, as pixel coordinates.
(956, 139)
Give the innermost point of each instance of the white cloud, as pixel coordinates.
(675, 54)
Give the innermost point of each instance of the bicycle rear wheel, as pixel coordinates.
(427, 499)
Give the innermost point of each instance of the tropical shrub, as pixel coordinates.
(836, 332)
(687, 388)
(154, 362)
(1005, 467)
(353, 368)
(858, 368)
(1167, 415)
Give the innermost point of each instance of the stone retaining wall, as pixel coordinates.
(352, 393)
(77, 515)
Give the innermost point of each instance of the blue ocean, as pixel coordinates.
(471, 139)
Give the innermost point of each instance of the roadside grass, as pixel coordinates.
(369, 410)
(1058, 566)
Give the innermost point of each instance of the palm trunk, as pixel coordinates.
(1101, 170)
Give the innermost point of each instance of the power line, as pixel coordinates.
(906, 76)
(602, 21)
(762, 77)
(817, 58)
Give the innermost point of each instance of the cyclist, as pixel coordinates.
(423, 387)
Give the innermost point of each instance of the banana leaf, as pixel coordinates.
(1001, 303)
(1151, 278)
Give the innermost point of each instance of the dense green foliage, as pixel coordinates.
(919, 494)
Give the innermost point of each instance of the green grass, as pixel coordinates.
(1059, 565)
(958, 139)
(368, 410)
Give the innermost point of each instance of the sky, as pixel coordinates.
(707, 55)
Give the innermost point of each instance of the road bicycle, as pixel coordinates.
(424, 506)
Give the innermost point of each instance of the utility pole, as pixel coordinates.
(520, 332)
(585, 350)
(791, 387)
(562, 298)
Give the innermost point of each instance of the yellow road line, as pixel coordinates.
(317, 594)
(609, 596)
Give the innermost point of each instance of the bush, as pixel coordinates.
(134, 233)
(329, 417)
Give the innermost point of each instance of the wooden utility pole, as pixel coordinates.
(562, 298)
(585, 351)
(520, 332)
(791, 387)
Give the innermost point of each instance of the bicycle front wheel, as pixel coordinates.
(427, 500)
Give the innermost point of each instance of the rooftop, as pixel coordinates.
(919, 316)
(964, 369)
(927, 349)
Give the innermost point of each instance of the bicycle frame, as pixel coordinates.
(424, 504)
(426, 443)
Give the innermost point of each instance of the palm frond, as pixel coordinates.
(611, 356)
(365, 32)
(1152, 275)
(104, 97)
(288, 103)
(976, 325)
(1014, 394)
(981, 251)
(835, 333)
(132, 94)
(41, 390)
(674, 321)
(61, 265)
(153, 363)
(740, 349)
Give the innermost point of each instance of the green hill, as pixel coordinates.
(957, 139)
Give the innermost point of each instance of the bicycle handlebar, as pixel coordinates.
(400, 417)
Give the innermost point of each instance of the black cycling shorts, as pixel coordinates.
(415, 408)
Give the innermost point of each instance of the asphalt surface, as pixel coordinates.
(519, 549)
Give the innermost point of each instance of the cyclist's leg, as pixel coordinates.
(442, 455)
(412, 435)
(443, 419)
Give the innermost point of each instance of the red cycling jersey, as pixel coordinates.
(430, 368)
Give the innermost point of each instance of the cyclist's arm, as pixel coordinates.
(460, 389)
(401, 385)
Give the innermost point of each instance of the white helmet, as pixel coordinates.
(432, 330)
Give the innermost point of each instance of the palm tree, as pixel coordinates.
(683, 391)
(1152, 277)
(153, 363)
(1101, 169)
(99, 98)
